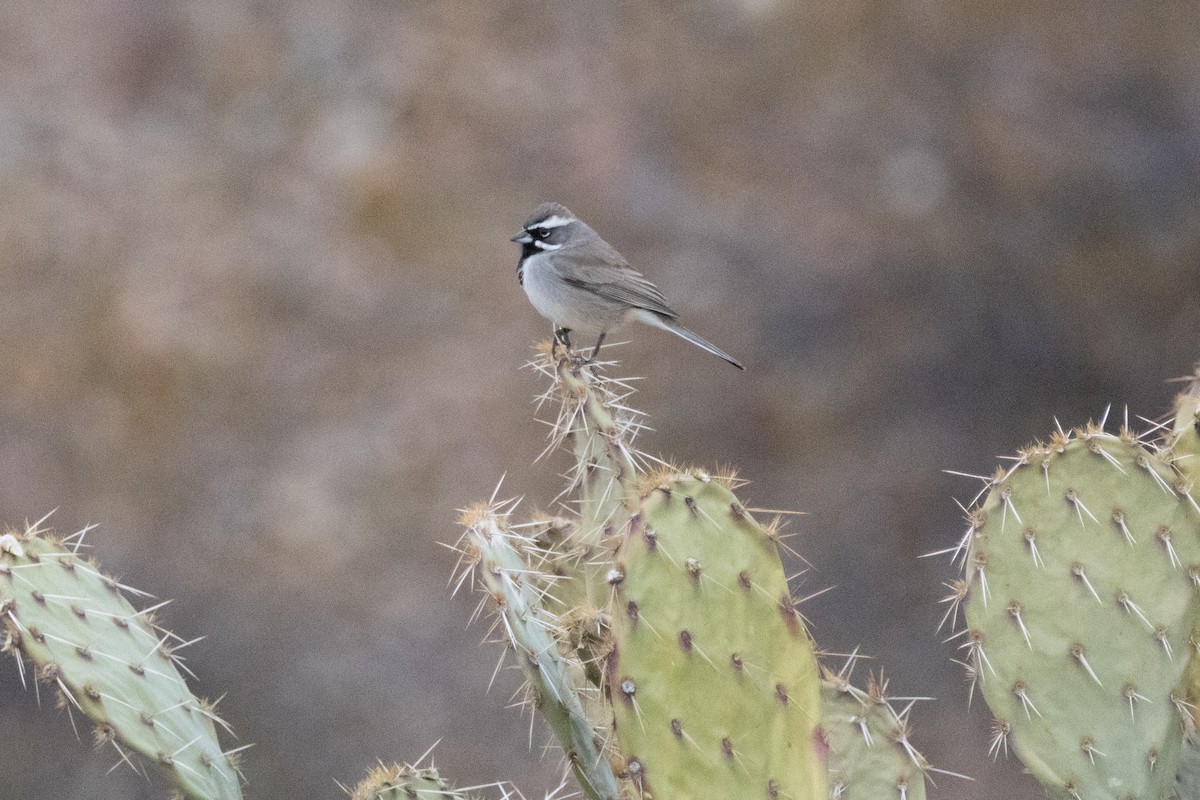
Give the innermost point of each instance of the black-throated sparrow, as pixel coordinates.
(581, 283)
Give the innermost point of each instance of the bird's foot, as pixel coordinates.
(562, 340)
(560, 350)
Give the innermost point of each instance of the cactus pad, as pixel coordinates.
(1082, 572)
(405, 782)
(712, 679)
(107, 660)
(870, 757)
(508, 568)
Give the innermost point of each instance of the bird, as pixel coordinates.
(581, 283)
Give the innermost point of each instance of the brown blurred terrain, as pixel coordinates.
(259, 317)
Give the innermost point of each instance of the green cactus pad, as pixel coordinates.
(1083, 570)
(601, 434)
(870, 757)
(84, 639)
(506, 563)
(713, 681)
(405, 782)
(593, 421)
(1187, 775)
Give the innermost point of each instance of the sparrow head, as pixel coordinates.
(550, 227)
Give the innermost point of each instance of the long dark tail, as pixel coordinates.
(651, 318)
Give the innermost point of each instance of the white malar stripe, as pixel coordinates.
(553, 221)
(538, 243)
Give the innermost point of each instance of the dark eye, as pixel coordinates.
(541, 233)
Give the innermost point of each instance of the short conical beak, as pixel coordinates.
(523, 237)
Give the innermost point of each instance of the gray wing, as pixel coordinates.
(599, 268)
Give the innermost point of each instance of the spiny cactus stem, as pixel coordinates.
(599, 441)
(531, 629)
(869, 754)
(108, 661)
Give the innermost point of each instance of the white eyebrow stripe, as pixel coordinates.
(554, 221)
(545, 245)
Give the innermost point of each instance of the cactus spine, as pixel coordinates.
(870, 757)
(659, 587)
(554, 676)
(109, 661)
(405, 782)
(1081, 583)
(712, 675)
(652, 621)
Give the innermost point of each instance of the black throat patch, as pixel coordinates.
(527, 250)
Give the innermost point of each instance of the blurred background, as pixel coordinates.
(259, 316)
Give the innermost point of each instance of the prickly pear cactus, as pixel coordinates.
(653, 620)
(72, 623)
(870, 757)
(1081, 581)
(513, 574)
(594, 423)
(405, 782)
(600, 431)
(712, 677)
